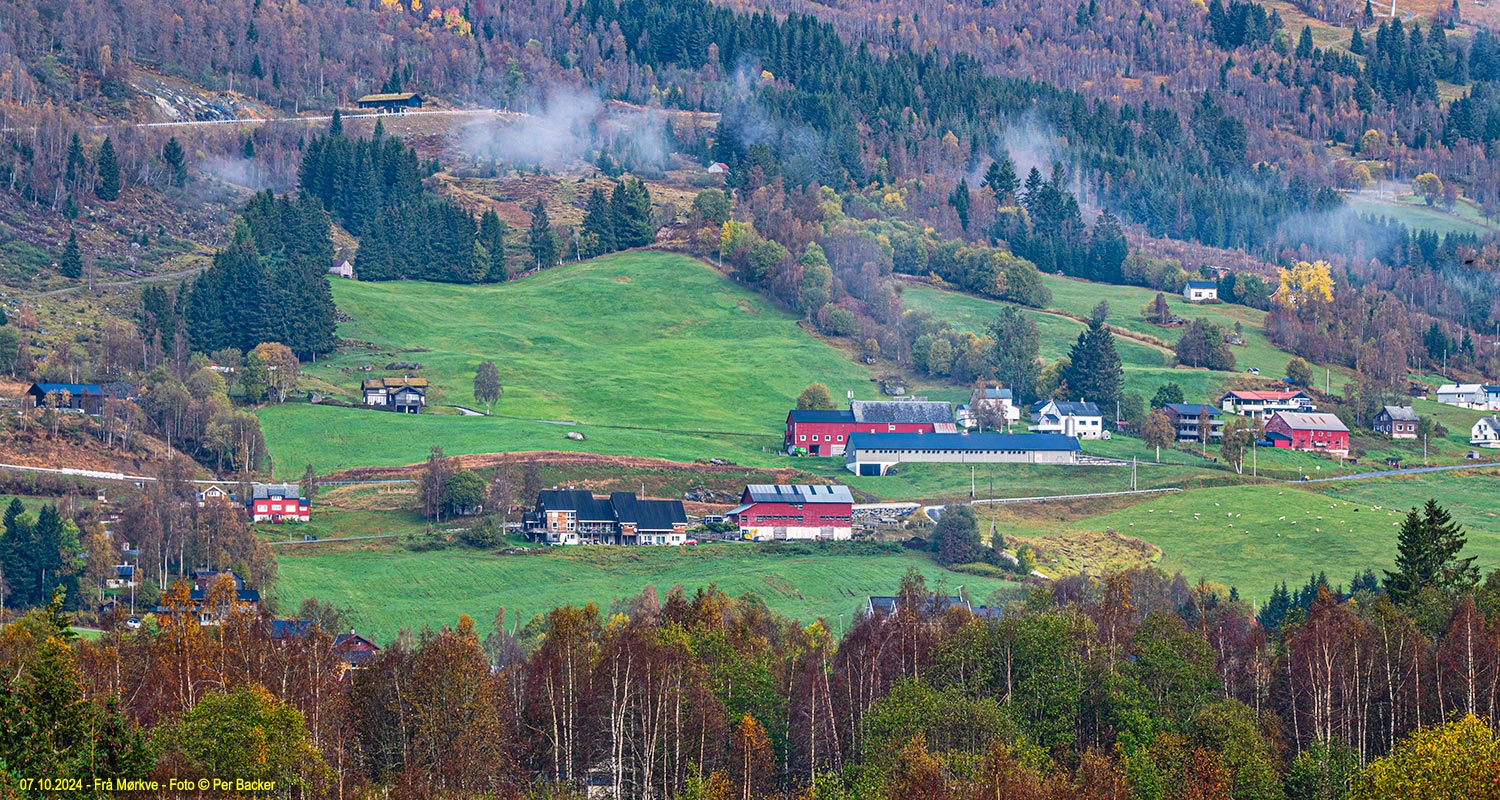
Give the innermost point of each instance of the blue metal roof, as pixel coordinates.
(820, 415)
(74, 389)
(1202, 285)
(976, 442)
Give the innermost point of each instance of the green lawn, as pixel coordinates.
(391, 588)
(1254, 537)
(683, 362)
(1417, 215)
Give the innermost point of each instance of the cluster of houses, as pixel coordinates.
(766, 512)
(875, 435)
(266, 502)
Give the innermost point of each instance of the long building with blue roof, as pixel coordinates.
(876, 453)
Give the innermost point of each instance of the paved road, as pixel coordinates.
(1360, 476)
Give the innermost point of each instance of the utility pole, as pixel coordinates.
(971, 481)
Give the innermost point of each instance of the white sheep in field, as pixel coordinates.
(1281, 518)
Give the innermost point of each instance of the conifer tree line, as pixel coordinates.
(38, 553)
(269, 284)
(1131, 683)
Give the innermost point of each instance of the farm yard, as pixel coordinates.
(391, 588)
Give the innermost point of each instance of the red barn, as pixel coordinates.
(1315, 431)
(825, 433)
(279, 502)
(769, 511)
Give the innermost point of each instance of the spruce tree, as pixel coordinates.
(1357, 43)
(598, 225)
(1447, 540)
(540, 239)
(336, 125)
(77, 164)
(172, 154)
(1095, 372)
(492, 237)
(72, 259)
(1415, 568)
(109, 172)
(1001, 179)
(960, 202)
(630, 206)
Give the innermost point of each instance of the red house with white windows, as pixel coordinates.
(1315, 431)
(771, 511)
(278, 502)
(825, 433)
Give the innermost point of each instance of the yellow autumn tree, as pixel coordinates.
(1427, 186)
(1459, 759)
(1306, 283)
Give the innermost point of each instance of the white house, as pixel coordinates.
(342, 268)
(1485, 433)
(1467, 395)
(995, 402)
(1081, 420)
(1200, 291)
(718, 168)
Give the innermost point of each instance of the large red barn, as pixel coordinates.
(769, 511)
(1315, 431)
(825, 433)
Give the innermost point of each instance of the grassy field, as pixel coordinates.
(391, 588)
(1417, 215)
(1253, 537)
(651, 354)
(1145, 365)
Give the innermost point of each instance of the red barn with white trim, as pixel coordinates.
(769, 511)
(1315, 431)
(825, 433)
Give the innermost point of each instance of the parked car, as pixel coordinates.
(1253, 370)
(691, 541)
(133, 623)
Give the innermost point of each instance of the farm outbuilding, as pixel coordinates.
(775, 511)
(876, 453)
(390, 102)
(825, 433)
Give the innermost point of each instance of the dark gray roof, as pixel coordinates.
(1202, 285)
(797, 493)
(1312, 421)
(1192, 409)
(901, 411)
(583, 504)
(976, 442)
(1069, 408)
(885, 605)
(264, 491)
(648, 515)
(1403, 413)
